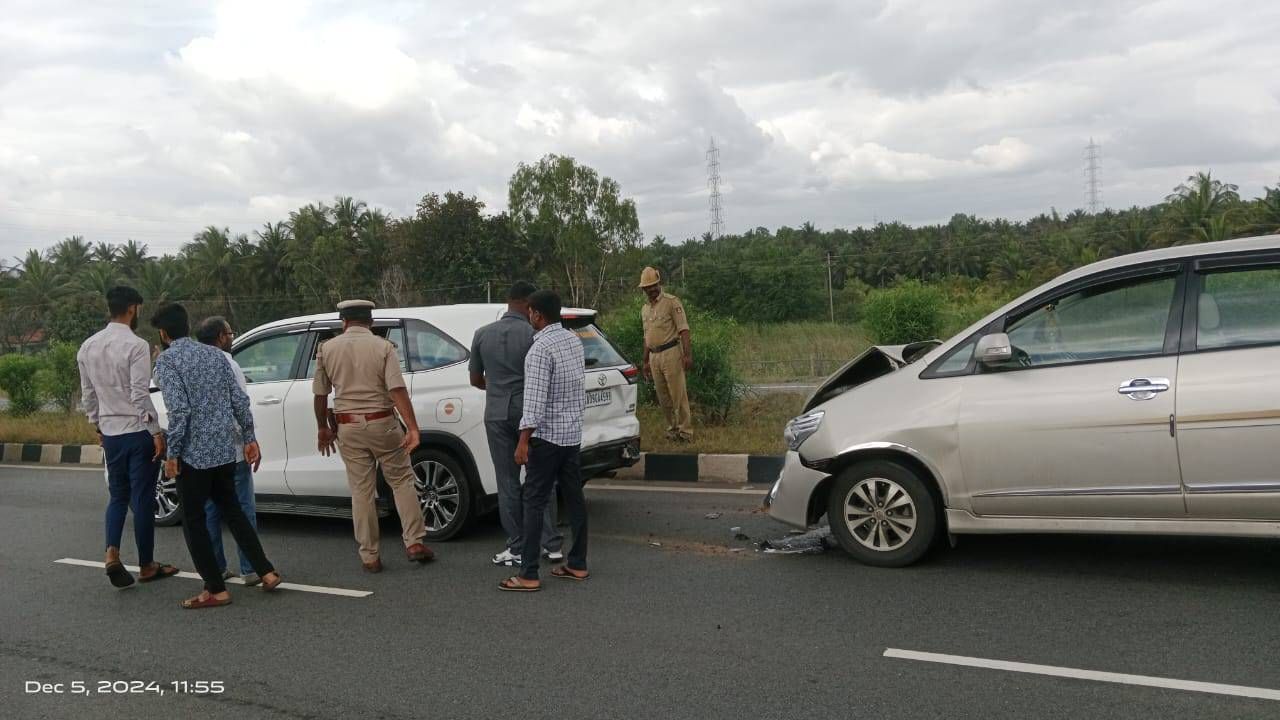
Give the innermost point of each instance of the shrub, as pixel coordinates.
(18, 381)
(906, 312)
(714, 386)
(59, 380)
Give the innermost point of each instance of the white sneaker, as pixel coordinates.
(554, 557)
(507, 558)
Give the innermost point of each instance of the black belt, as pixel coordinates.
(665, 347)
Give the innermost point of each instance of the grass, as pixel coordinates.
(755, 427)
(784, 352)
(51, 428)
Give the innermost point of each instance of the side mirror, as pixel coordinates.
(993, 349)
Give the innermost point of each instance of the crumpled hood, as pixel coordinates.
(877, 360)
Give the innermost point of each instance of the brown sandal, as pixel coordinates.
(268, 586)
(568, 573)
(162, 571)
(515, 583)
(198, 603)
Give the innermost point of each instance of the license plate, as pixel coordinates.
(596, 398)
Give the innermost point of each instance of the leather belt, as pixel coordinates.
(348, 418)
(665, 346)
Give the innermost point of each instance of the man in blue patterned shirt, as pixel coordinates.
(204, 402)
(550, 437)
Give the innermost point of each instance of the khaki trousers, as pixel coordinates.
(365, 445)
(668, 382)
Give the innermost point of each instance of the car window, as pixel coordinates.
(957, 360)
(394, 334)
(269, 359)
(429, 348)
(1238, 308)
(1101, 322)
(596, 348)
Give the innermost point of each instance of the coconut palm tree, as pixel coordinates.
(71, 256)
(98, 278)
(1195, 203)
(210, 260)
(160, 281)
(104, 252)
(132, 256)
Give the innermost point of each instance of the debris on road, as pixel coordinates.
(739, 535)
(814, 542)
(712, 516)
(655, 544)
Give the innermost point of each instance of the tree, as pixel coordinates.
(577, 214)
(1194, 205)
(210, 261)
(131, 258)
(161, 281)
(105, 253)
(71, 256)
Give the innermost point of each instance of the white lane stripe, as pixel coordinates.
(236, 581)
(758, 492)
(73, 468)
(1096, 675)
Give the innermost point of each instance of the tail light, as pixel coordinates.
(631, 373)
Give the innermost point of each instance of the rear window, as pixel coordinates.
(599, 352)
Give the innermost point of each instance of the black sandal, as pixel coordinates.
(119, 576)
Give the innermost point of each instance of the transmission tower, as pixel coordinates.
(713, 182)
(1092, 187)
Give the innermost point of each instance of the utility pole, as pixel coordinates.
(488, 291)
(1092, 186)
(713, 182)
(831, 298)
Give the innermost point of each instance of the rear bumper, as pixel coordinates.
(608, 456)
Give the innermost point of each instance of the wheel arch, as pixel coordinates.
(456, 448)
(892, 452)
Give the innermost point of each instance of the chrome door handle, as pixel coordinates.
(1144, 388)
(270, 401)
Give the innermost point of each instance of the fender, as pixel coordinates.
(456, 447)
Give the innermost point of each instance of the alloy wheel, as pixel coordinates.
(439, 494)
(880, 514)
(166, 496)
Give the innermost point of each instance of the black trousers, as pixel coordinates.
(549, 465)
(218, 484)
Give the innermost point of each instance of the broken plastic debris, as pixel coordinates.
(814, 542)
(735, 529)
(655, 544)
(711, 516)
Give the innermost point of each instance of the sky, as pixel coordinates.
(152, 120)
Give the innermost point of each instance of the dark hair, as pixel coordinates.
(547, 303)
(120, 298)
(172, 318)
(211, 329)
(521, 290)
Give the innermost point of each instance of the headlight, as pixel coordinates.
(799, 429)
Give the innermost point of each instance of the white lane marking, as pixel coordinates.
(236, 581)
(72, 468)
(1096, 675)
(759, 492)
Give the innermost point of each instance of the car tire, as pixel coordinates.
(168, 503)
(444, 493)
(883, 514)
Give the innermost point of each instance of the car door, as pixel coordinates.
(268, 361)
(1228, 406)
(1078, 424)
(310, 474)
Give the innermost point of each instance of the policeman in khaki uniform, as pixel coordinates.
(667, 355)
(364, 372)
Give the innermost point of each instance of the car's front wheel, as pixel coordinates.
(882, 514)
(168, 504)
(444, 493)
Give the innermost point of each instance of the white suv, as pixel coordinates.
(455, 474)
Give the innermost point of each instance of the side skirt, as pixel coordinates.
(962, 522)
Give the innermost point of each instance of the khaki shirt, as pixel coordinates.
(361, 367)
(664, 320)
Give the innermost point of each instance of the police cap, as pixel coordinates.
(355, 310)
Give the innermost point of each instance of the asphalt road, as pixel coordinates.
(685, 629)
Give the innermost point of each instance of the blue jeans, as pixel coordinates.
(131, 485)
(213, 518)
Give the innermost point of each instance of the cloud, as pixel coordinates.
(834, 111)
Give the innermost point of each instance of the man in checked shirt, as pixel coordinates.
(550, 438)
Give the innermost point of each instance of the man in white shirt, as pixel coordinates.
(216, 331)
(115, 390)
